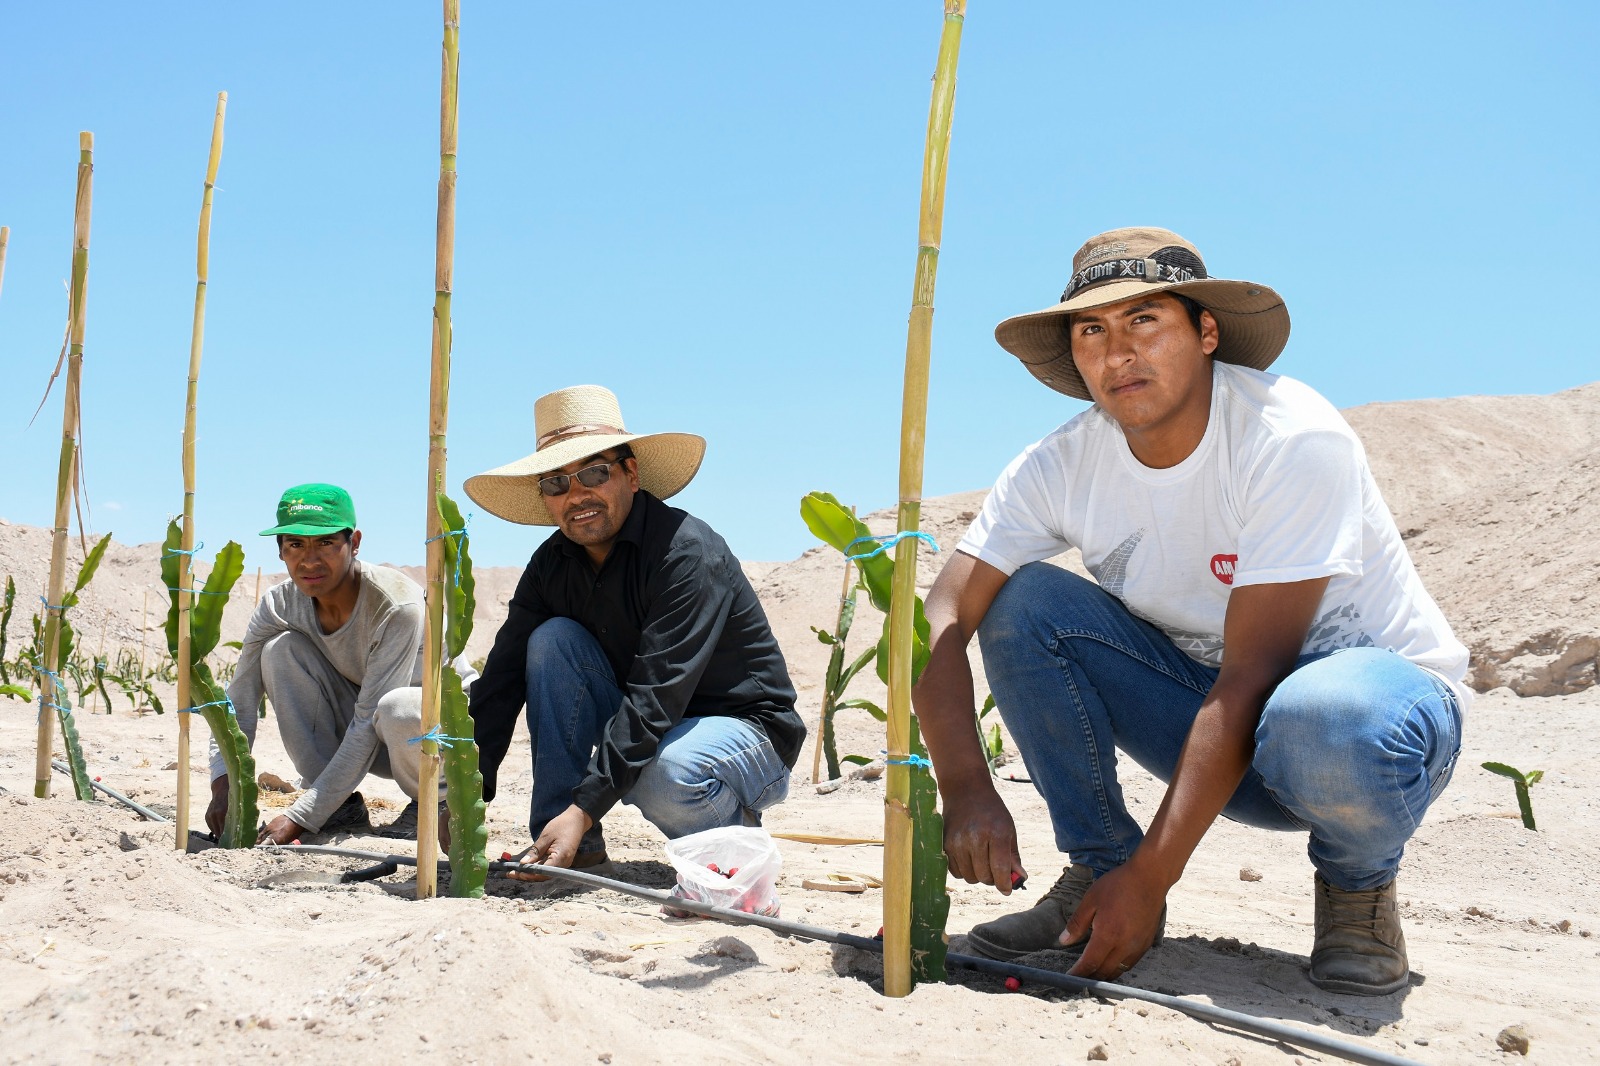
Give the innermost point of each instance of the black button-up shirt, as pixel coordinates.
(681, 627)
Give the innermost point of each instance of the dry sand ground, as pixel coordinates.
(113, 946)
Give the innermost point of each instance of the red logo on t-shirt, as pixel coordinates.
(1222, 567)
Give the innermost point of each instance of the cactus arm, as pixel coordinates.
(469, 835)
(930, 901)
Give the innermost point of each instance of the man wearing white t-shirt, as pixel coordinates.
(1256, 635)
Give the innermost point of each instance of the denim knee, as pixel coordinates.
(559, 642)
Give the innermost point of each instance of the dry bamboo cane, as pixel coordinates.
(438, 424)
(144, 632)
(186, 569)
(5, 239)
(897, 827)
(76, 303)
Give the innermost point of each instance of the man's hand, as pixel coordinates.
(280, 830)
(980, 840)
(558, 844)
(1120, 915)
(217, 813)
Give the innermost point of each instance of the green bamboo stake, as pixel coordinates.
(185, 582)
(898, 801)
(50, 692)
(438, 426)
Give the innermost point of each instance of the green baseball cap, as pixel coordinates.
(313, 510)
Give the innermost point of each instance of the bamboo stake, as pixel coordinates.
(897, 826)
(5, 239)
(438, 424)
(257, 602)
(186, 569)
(100, 657)
(70, 416)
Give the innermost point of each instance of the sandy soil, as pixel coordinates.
(116, 947)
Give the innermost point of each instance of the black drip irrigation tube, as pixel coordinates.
(1204, 1012)
(148, 814)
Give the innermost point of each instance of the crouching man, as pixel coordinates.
(645, 662)
(337, 651)
(1256, 635)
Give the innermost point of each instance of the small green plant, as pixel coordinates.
(837, 526)
(6, 604)
(469, 836)
(54, 694)
(1523, 782)
(841, 673)
(994, 746)
(205, 694)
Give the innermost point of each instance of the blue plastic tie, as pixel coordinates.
(52, 606)
(223, 702)
(910, 760)
(887, 541)
(57, 684)
(181, 551)
(462, 533)
(436, 734)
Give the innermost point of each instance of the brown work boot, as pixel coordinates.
(1039, 928)
(1360, 949)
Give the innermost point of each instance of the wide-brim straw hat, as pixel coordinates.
(1252, 322)
(572, 424)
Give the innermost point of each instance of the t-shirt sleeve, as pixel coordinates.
(1303, 508)
(1018, 524)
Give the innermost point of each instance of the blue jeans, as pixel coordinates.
(708, 772)
(1352, 746)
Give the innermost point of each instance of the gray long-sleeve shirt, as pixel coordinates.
(378, 650)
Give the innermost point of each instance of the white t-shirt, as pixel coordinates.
(1278, 490)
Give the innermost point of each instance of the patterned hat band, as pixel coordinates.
(1151, 270)
(581, 429)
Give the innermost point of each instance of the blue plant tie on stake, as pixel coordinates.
(887, 541)
(462, 533)
(437, 735)
(191, 553)
(913, 760)
(57, 685)
(52, 606)
(223, 702)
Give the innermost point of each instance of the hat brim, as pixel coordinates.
(667, 463)
(1252, 327)
(300, 529)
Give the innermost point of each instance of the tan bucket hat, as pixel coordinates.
(1252, 322)
(571, 424)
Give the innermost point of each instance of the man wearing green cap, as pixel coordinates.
(336, 648)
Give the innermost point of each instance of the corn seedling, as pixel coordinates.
(837, 526)
(839, 677)
(1523, 782)
(469, 836)
(206, 697)
(67, 469)
(438, 426)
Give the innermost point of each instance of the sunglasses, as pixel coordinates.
(590, 477)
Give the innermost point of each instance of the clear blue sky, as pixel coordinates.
(713, 212)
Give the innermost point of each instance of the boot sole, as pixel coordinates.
(1352, 988)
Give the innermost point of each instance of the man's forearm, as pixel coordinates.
(946, 714)
(1215, 758)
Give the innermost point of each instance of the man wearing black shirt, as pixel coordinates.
(646, 664)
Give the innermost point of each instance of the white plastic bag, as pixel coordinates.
(735, 867)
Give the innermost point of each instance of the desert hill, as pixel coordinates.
(1496, 497)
